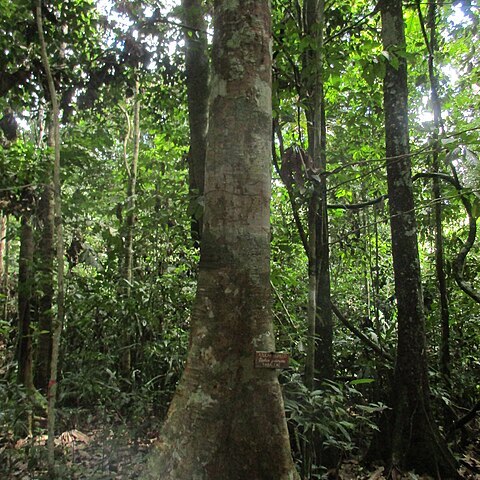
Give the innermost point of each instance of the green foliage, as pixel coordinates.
(95, 77)
(360, 251)
(337, 415)
(15, 409)
(21, 166)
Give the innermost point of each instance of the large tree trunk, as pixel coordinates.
(415, 440)
(197, 73)
(227, 420)
(25, 285)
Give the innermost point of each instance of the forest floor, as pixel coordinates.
(118, 453)
(91, 451)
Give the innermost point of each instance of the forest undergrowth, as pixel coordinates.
(106, 446)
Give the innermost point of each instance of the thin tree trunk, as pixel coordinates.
(227, 420)
(319, 349)
(25, 287)
(376, 276)
(5, 266)
(444, 360)
(197, 73)
(437, 200)
(319, 361)
(58, 320)
(131, 190)
(312, 292)
(127, 275)
(430, 39)
(324, 319)
(45, 265)
(415, 440)
(3, 238)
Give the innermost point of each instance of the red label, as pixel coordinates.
(271, 360)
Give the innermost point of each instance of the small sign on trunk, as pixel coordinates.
(271, 360)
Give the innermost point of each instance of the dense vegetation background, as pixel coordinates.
(130, 226)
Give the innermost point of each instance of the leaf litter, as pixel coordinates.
(115, 453)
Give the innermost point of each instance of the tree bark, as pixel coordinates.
(430, 39)
(4, 243)
(197, 79)
(25, 287)
(60, 300)
(319, 362)
(131, 192)
(415, 442)
(319, 352)
(324, 364)
(227, 418)
(3, 237)
(444, 360)
(127, 267)
(44, 283)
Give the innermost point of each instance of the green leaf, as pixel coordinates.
(362, 381)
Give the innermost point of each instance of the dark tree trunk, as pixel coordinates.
(25, 284)
(319, 357)
(324, 365)
(197, 73)
(44, 286)
(415, 441)
(319, 363)
(227, 420)
(444, 361)
(3, 243)
(60, 251)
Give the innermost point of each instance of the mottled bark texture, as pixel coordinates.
(197, 79)
(414, 441)
(226, 420)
